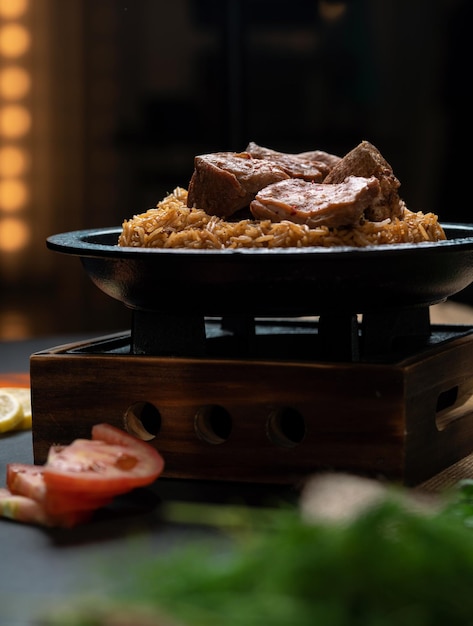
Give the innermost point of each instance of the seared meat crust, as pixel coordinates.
(307, 165)
(314, 204)
(225, 182)
(366, 160)
(321, 157)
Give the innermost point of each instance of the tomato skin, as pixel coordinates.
(111, 463)
(79, 478)
(28, 480)
(23, 509)
(58, 502)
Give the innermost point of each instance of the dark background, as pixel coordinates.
(131, 91)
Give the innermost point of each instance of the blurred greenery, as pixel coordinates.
(391, 565)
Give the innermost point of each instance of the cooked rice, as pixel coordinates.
(173, 225)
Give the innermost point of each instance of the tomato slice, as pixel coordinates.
(79, 478)
(28, 480)
(58, 502)
(23, 509)
(111, 463)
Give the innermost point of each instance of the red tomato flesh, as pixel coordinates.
(23, 509)
(28, 480)
(111, 463)
(79, 478)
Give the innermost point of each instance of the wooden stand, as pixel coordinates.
(263, 420)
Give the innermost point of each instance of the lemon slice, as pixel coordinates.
(23, 395)
(11, 411)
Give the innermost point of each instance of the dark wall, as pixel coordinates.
(298, 75)
(137, 89)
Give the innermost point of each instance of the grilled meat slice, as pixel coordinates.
(306, 165)
(321, 157)
(225, 182)
(317, 204)
(366, 160)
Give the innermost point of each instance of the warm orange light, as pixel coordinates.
(14, 234)
(332, 11)
(15, 40)
(14, 325)
(13, 8)
(15, 83)
(13, 161)
(13, 195)
(15, 121)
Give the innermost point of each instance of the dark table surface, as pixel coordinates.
(43, 567)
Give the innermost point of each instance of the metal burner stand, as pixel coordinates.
(269, 400)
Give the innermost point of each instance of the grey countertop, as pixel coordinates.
(44, 567)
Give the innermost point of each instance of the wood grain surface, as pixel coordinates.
(261, 420)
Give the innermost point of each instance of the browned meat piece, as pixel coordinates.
(307, 165)
(366, 160)
(225, 182)
(321, 157)
(316, 204)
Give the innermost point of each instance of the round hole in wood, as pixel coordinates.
(213, 424)
(285, 427)
(143, 420)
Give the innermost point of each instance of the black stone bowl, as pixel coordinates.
(274, 282)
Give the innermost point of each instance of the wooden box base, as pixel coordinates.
(263, 420)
